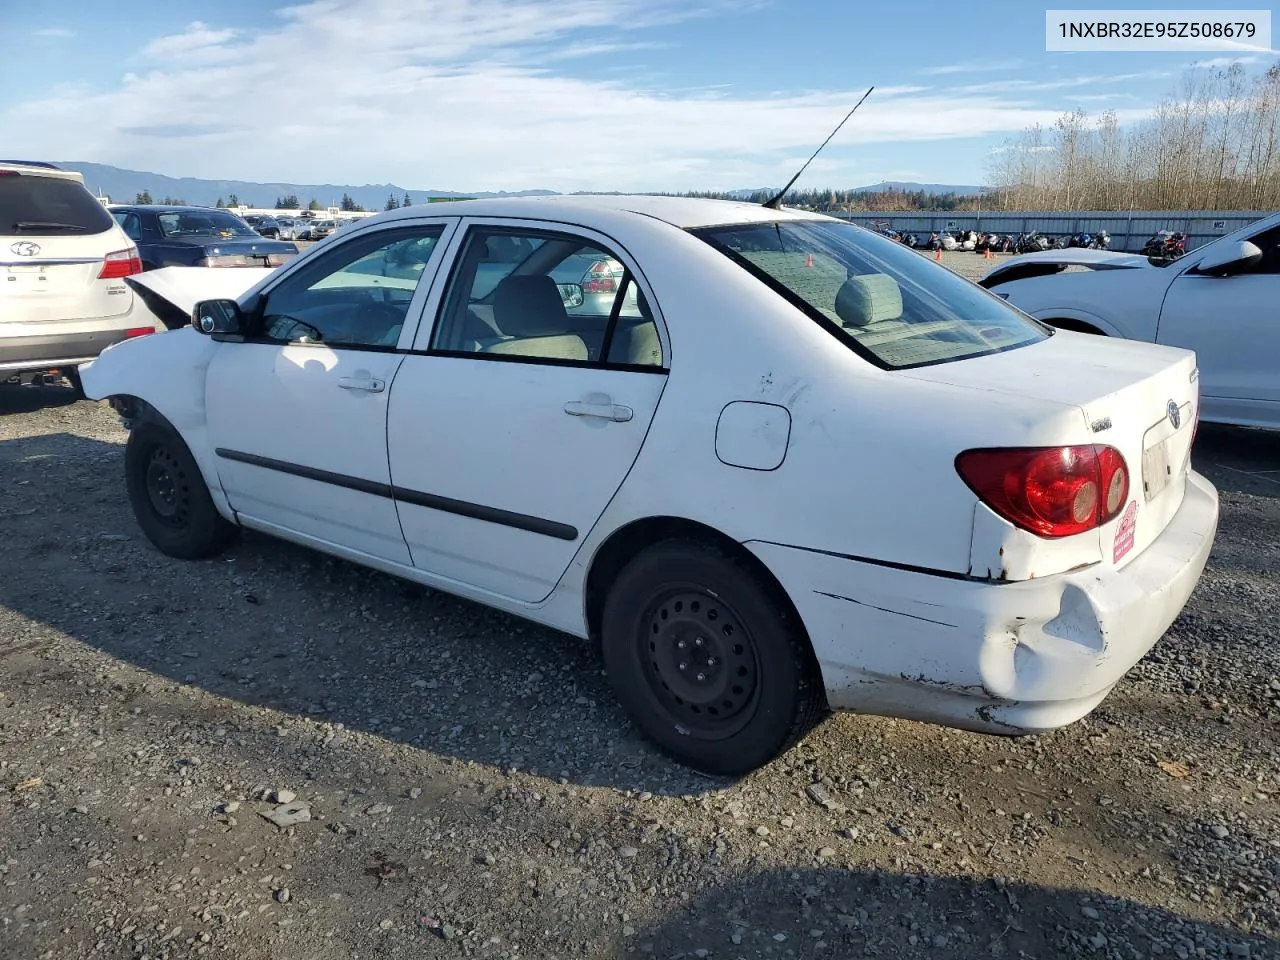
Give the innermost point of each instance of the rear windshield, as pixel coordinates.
(35, 206)
(203, 223)
(887, 302)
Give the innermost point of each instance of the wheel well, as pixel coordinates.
(1078, 326)
(625, 542)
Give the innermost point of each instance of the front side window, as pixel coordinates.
(204, 223)
(130, 224)
(530, 294)
(356, 295)
(884, 300)
(1269, 243)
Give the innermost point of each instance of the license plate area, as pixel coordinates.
(28, 278)
(1156, 471)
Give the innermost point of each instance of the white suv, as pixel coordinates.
(63, 260)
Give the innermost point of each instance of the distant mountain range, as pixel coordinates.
(123, 185)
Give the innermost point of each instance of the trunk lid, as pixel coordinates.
(1139, 398)
(55, 277)
(248, 252)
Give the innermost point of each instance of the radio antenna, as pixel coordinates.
(776, 201)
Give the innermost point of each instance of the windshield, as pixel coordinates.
(36, 205)
(204, 223)
(884, 300)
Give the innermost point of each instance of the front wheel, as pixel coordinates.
(708, 659)
(169, 497)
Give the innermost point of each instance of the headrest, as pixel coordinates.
(868, 299)
(529, 306)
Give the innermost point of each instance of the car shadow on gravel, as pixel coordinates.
(30, 397)
(837, 912)
(1239, 459)
(275, 625)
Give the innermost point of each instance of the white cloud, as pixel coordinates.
(461, 95)
(972, 66)
(1065, 83)
(197, 39)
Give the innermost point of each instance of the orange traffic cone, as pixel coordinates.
(937, 254)
(986, 253)
(809, 261)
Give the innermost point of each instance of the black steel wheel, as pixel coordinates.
(704, 669)
(169, 497)
(708, 657)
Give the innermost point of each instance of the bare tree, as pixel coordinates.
(1214, 144)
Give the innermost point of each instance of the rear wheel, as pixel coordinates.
(708, 660)
(169, 497)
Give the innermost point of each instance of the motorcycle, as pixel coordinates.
(968, 240)
(1033, 242)
(1101, 240)
(1165, 245)
(987, 241)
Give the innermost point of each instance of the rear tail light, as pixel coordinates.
(1050, 491)
(122, 263)
(601, 278)
(138, 332)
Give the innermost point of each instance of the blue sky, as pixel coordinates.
(560, 94)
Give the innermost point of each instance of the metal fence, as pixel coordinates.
(1129, 231)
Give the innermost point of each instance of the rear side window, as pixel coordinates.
(884, 300)
(44, 206)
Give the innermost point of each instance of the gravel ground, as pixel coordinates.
(472, 789)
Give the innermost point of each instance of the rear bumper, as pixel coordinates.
(1006, 658)
(55, 350)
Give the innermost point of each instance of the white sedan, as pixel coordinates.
(1221, 300)
(801, 468)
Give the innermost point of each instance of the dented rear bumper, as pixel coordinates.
(1009, 657)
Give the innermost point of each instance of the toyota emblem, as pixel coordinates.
(25, 248)
(1175, 415)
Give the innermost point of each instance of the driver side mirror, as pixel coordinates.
(214, 317)
(571, 294)
(1232, 258)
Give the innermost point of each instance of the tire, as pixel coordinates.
(756, 690)
(169, 497)
(73, 378)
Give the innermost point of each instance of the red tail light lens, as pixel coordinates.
(122, 263)
(1050, 491)
(601, 278)
(138, 332)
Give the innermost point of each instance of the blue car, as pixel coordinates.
(197, 237)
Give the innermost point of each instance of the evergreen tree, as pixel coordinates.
(143, 197)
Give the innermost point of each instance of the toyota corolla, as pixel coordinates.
(790, 466)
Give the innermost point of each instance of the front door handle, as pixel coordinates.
(367, 384)
(604, 411)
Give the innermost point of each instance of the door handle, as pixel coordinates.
(604, 411)
(367, 384)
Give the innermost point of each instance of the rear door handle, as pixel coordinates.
(604, 411)
(367, 384)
